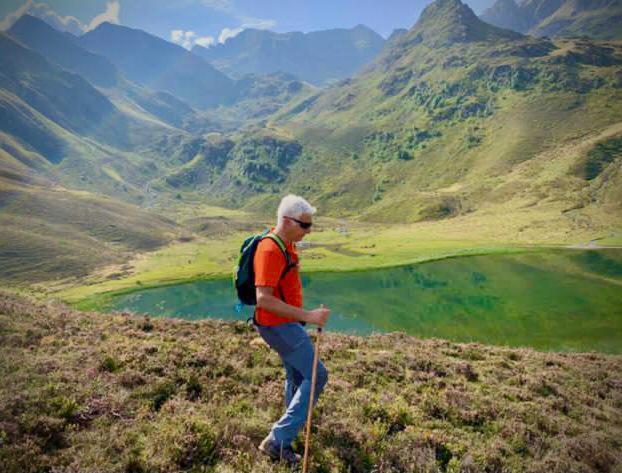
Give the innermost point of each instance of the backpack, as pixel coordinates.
(244, 275)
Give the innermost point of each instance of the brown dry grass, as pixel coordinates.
(119, 392)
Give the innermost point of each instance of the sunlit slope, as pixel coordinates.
(444, 122)
(53, 233)
(63, 97)
(85, 137)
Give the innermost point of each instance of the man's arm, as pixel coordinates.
(266, 300)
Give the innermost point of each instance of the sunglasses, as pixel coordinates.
(303, 225)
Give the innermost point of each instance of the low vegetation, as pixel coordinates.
(129, 393)
(50, 233)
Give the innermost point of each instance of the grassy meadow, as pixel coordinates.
(215, 234)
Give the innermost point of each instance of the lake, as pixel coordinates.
(561, 300)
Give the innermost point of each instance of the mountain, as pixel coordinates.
(445, 22)
(62, 49)
(507, 14)
(459, 117)
(256, 97)
(59, 134)
(599, 19)
(395, 34)
(318, 57)
(33, 87)
(55, 125)
(159, 65)
(50, 232)
(141, 115)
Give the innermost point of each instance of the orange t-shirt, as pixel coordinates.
(269, 263)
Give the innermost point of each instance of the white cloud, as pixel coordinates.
(45, 13)
(247, 22)
(205, 41)
(227, 33)
(61, 23)
(187, 39)
(111, 15)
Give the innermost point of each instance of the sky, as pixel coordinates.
(209, 22)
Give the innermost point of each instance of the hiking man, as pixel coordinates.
(277, 318)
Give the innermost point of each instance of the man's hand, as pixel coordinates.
(318, 316)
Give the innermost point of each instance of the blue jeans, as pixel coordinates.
(295, 348)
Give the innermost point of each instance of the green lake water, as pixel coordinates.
(565, 300)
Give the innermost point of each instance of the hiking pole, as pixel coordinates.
(316, 357)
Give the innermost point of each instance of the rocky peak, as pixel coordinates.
(445, 22)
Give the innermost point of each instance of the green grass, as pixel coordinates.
(341, 245)
(123, 393)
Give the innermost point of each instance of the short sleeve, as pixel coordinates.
(269, 263)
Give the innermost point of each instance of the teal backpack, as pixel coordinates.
(244, 274)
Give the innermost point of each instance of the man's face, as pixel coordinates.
(297, 232)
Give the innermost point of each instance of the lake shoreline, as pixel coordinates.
(550, 299)
(99, 302)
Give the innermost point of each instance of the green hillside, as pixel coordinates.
(459, 117)
(509, 138)
(64, 98)
(62, 49)
(598, 19)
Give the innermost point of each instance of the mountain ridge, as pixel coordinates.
(599, 19)
(317, 57)
(159, 64)
(445, 22)
(40, 36)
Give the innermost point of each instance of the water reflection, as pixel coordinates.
(562, 300)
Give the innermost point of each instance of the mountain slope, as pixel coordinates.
(159, 65)
(507, 14)
(439, 125)
(63, 97)
(318, 57)
(445, 22)
(61, 49)
(50, 232)
(600, 19)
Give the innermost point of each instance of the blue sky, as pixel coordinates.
(209, 21)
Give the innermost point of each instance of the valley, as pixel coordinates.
(467, 174)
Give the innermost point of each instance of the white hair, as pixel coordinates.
(294, 206)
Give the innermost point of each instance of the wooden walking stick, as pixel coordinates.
(316, 357)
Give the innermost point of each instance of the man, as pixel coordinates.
(277, 317)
